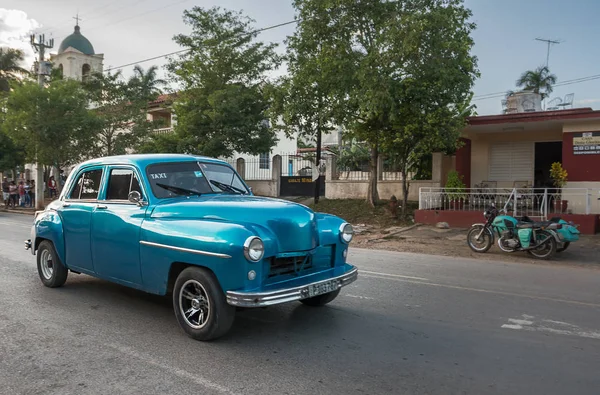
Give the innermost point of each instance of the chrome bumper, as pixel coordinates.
(284, 295)
(27, 244)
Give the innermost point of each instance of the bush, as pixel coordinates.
(455, 187)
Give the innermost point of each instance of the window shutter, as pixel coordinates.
(511, 161)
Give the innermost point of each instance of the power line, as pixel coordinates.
(187, 50)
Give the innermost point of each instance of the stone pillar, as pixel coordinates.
(276, 174)
(240, 167)
(331, 168)
(436, 167)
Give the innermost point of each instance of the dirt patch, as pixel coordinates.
(453, 242)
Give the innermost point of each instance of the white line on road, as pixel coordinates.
(393, 275)
(531, 326)
(487, 291)
(176, 371)
(359, 297)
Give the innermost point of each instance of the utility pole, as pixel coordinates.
(549, 42)
(42, 70)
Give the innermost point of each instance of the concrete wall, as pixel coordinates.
(264, 187)
(480, 147)
(342, 189)
(579, 199)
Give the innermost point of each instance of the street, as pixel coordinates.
(411, 324)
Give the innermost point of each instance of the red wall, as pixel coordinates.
(463, 161)
(579, 167)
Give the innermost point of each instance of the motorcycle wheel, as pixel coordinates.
(564, 246)
(485, 241)
(546, 250)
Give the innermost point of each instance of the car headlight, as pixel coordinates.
(346, 233)
(254, 249)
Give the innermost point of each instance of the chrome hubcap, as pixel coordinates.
(46, 264)
(194, 304)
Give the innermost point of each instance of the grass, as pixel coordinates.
(358, 211)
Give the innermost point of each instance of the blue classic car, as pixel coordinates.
(190, 226)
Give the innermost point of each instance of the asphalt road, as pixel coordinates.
(411, 324)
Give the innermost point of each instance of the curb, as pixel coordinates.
(3, 210)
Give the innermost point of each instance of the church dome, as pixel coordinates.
(77, 41)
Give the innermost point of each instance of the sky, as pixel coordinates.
(127, 31)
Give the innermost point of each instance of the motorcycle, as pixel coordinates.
(537, 238)
(564, 234)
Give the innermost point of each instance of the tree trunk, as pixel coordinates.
(405, 187)
(372, 193)
(318, 158)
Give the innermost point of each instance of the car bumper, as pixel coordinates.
(287, 294)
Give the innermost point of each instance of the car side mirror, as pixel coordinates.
(135, 197)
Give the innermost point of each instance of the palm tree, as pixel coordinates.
(10, 69)
(539, 81)
(145, 83)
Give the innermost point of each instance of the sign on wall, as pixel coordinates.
(586, 143)
(300, 186)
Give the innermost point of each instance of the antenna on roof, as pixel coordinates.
(549, 42)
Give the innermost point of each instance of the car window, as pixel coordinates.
(120, 183)
(87, 185)
(177, 176)
(223, 174)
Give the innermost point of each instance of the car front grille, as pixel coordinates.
(290, 265)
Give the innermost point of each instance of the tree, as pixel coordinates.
(120, 109)
(539, 81)
(223, 103)
(10, 67)
(53, 125)
(146, 84)
(302, 103)
(402, 70)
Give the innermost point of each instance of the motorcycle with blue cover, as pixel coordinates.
(565, 232)
(536, 238)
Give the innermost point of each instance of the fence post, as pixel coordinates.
(588, 201)
(545, 205)
(436, 167)
(380, 160)
(420, 198)
(276, 174)
(240, 167)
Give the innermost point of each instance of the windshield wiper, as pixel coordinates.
(177, 190)
(229, 188)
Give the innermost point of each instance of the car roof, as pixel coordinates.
(143, 160)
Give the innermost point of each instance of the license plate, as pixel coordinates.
(322, 288)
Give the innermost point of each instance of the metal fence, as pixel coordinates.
(533, 202)
(260, 167)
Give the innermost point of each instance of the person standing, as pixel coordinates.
(27, 193)
(52, 186)
(14, 194)
(5, 191)
(21, 190)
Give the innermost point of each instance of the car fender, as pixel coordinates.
(47, 225)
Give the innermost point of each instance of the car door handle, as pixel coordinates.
(101, 207)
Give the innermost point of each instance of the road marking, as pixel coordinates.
(176, 371)
(359, 297)
(576, 302)
(550, 326)
(393, 275)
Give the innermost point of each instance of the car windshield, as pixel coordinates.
(192, 178)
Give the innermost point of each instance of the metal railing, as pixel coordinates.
(533, 202)
(163, 130)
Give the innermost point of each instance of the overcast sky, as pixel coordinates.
(127, 31)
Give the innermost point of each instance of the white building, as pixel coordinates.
(76, 57)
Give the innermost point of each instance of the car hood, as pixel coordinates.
(293, 225)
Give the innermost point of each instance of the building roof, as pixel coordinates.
(537, 116)
(143, 160)
(78, 41)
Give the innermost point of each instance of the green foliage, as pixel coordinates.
(120, 109)
(53, 125)
(145, 85)
(558, 174)
(455, 187)
(11, 70)
(539, 81)
(399, 74)
(223, 102)
(353, 158)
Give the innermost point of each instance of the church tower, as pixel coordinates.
(76, 57)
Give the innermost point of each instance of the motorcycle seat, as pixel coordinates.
(531, 225)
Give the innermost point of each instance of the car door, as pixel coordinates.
(116, 224)
(76, 213)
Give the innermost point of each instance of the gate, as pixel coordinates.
(300, 186)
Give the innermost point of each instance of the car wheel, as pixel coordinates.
(200, 305)
(321, 300)
(51, 270)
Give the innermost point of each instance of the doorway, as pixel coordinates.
(545, 154)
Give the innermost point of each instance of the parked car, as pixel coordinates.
(190, 226)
